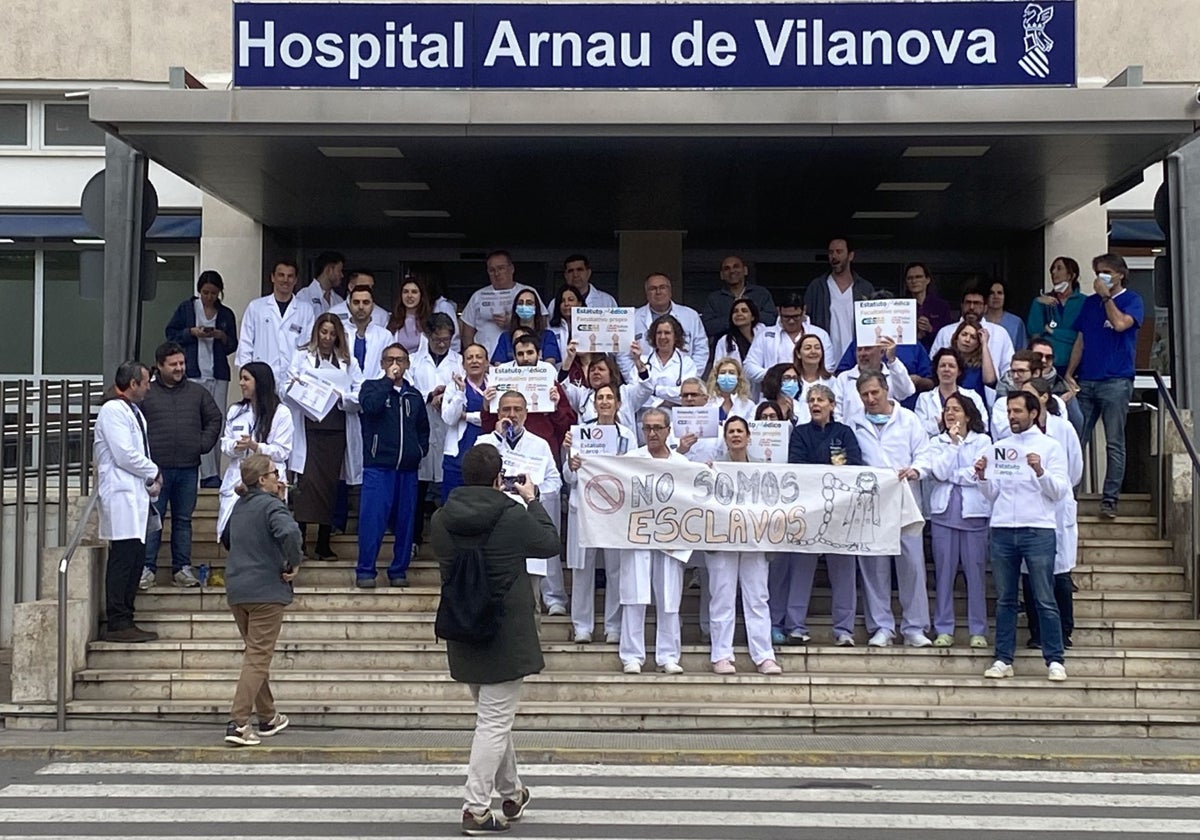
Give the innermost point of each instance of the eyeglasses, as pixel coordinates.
(654, 430)
(798, 317)
(684, 395)
(395, 360)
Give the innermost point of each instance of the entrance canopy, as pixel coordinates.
(762, 168)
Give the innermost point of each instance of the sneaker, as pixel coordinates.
(147, 579)
(1057, 673)
(135, 635)
(486, 823)
(1108, 509)
(365, 583)
(514, 809)
(241, 736)
(917, 640)
(671, 668)
(612, 638)
(398, 582)
(724, 666)
(583, 639)
(274, 726)
(798, 637)
(998, 671)
(769, 667)
(1067, 643)
(882, 638)
(1034, 644)
(416, 549)
(185, 577)
(844, 640)
(632, 667)
(778, 637)
(557, 609)
(943, 640)
(979, 641)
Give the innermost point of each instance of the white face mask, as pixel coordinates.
(1061, 287)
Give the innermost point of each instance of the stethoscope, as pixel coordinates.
(675, 355)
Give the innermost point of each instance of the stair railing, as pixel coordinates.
(63, 567)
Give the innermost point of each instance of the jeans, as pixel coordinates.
(1107, 400)
(1034, 546)
(178, 492)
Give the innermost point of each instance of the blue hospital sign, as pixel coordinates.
(950, 43)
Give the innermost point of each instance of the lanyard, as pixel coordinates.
(137, 415)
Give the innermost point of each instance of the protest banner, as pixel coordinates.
(595, 440)
(602, 330)
(534, 381)
(875, 320)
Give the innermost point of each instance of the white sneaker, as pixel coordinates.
(612, 638)
(632, 667)
(557, 609)
(999, 671)
(882, 638)
(147, 580)
(844, 640)
(1058, 672)
(185, 577)
(583, 638)
(917, 640)
(671, 668)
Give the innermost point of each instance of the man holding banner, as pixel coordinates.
(1025, 478)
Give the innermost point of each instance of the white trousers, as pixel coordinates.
(210, 462)
(727, 570)
(583, 592)
(554, 586)
(493, 764)
(663, 571)
(910, 577)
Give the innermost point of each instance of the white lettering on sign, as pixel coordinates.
(401, 47)
(566, 48)
(871, 46)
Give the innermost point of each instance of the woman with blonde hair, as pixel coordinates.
(729, 390)
(978, 371)
(264, 552)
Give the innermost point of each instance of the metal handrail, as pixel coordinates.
(1173, 411)
(63, 565)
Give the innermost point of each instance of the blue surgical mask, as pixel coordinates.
(727, 382)
(877, 419)
(524, 311)
(790, 388)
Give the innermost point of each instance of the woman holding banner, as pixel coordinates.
(730, 570)
(822, 440)
(582, 561)
(959, 516)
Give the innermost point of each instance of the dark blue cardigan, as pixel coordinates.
(178, 331)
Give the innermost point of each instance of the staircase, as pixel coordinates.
(368, 659)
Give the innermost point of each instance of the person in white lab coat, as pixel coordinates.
(358, 278)
(693, 340)
(275, 325)
(1000, 345)
(258, 423)
(430, 372)
(729, 390)
(809, 363)
(583, 561)
(891, 436)
(645, 571)
(667, 365)
(879, 359)
(948, 371)
(127, 481)
(322, 449)
(320, 294)
(729, 571)
(778, 344)
(413, 308)
(603, 370)
(488, 311)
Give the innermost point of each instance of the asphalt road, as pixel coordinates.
(231, 801)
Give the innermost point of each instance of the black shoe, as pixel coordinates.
(241, 736)
(325, 554)
(489, 823)
(1034, 644)
(1067, 643)
(213, 483)
(514, 809)
(398, 582)
(365, 583)
(134, 635)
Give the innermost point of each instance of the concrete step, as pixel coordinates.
(1135, 578)
(952, 719)
(362, 626)
(1093, 527)
(1031, 689)
(1131, 504)
(598, 657)
(1125, 551)
(1088, 603)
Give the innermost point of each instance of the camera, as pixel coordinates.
(508, 483)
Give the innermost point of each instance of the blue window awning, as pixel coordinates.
(1141, 231)
(72, 226)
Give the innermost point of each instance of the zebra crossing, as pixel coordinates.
(244, 800)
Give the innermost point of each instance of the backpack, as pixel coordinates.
(468, 612)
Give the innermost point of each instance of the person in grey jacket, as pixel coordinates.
(479, 515)
(836, 317)
(263, 541)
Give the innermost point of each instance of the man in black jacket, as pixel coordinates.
(182, 423)
(479, 515)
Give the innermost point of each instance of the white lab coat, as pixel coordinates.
(487, 332)
(741, 407)
(999, 344)
(943, 465)
(898, 444)
(313, 296)
(1001, 429)
(378, 339)
(695, 339)
(774, 347)
(123, 467)
(454, 411)
(379, 316)
(1066, 530)
(633, 396)
(425, 375)
(900, 388)
(265, 337)
(352, 463)
(929, 409)
(667, 377)
(240, 421)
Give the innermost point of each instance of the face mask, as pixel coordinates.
(1107, 280)
(790, 389)
(728, 381)
(877, 419)
(1061, 287)
(525, 312)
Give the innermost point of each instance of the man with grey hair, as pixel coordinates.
(1102, 365)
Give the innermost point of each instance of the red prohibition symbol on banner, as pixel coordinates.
(604, 494)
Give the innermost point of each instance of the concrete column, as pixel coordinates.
(232, 245)
(124, 187)
(1183, 185)
(644, 251)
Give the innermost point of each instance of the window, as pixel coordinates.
(72, 337)
(14, 124)
(68, 125)
(175, 282)
(16, 316)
